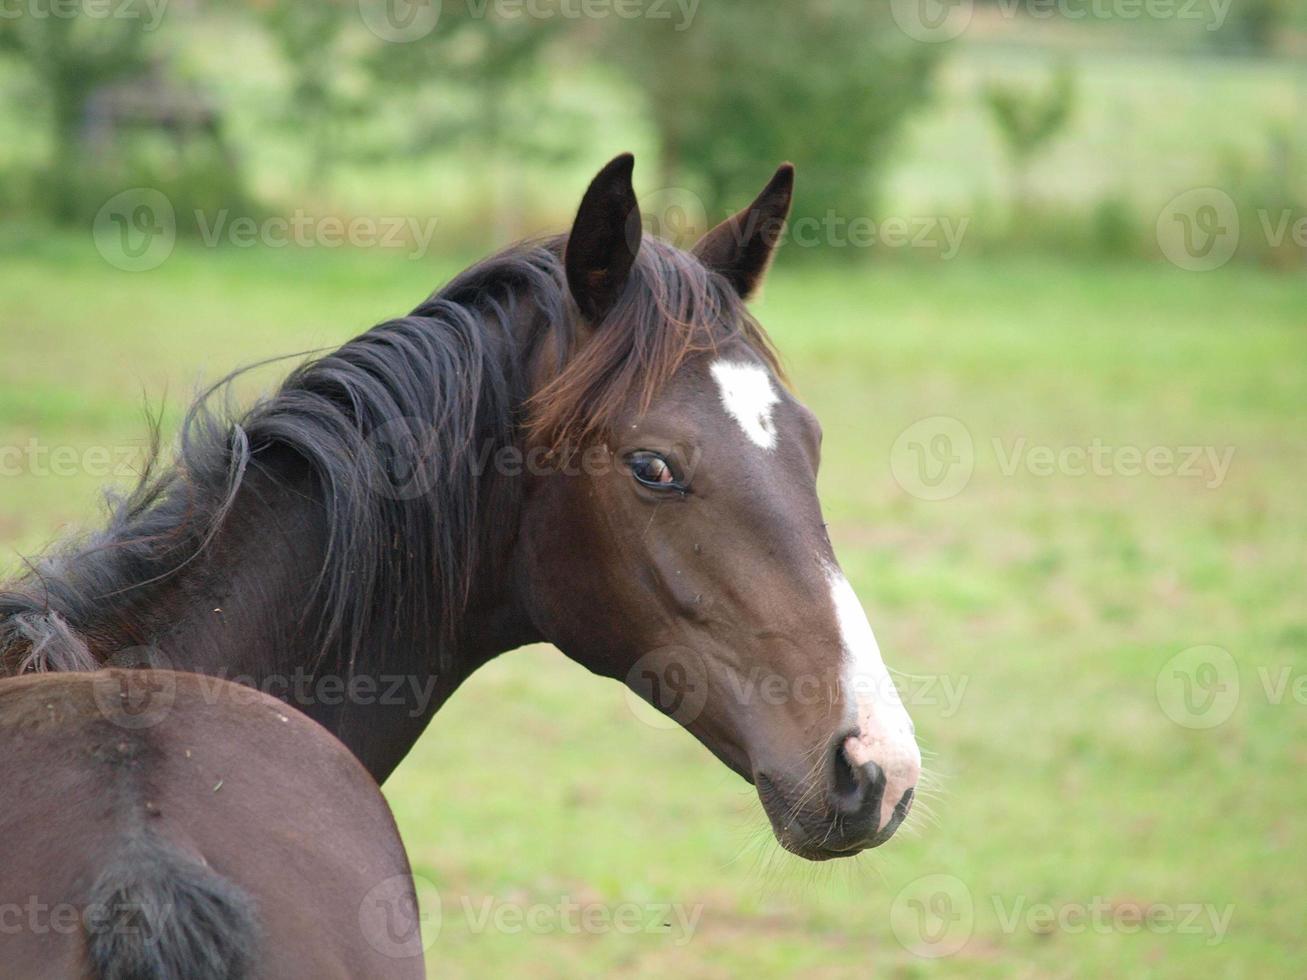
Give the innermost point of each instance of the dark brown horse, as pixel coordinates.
(166, 826)
(584, 440)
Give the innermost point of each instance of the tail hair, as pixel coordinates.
(156, 913)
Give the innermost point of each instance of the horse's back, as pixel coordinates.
(142, 808)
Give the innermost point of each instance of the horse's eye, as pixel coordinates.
(653, 471)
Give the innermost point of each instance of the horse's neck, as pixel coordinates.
(249, 603)
(245, 609)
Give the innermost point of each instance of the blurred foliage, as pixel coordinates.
(469, 77)
(480, 119)
(1028, 120)
(464, 86)
(71, 57)
(1115, 227)
(1254, 25)
(1272, 198)
(827, 84)
(455, 83)
(310, 38)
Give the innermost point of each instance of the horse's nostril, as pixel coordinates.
(856, 787)
(845, 773)
(873, 785)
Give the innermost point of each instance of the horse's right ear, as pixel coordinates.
(741, 247)
(604, 241)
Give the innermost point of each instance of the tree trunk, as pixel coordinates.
(68, 96)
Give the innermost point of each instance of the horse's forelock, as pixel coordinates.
(672, 309)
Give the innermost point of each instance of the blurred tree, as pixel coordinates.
(749, 83)
(1270, 190)
(1253, 25)
(453, 73)
(1029, 120)
(478, 82)
(71, 55)
(312, 38)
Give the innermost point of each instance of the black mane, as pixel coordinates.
(438, 382)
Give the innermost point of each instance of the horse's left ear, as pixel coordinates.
(741, 248)
(604, 241)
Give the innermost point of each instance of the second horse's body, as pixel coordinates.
(176, 827)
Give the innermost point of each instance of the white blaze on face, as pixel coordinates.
(885, 734)
(749, 397)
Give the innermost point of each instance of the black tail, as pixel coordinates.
(156, 913)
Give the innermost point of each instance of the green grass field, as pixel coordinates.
(1030, 615)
